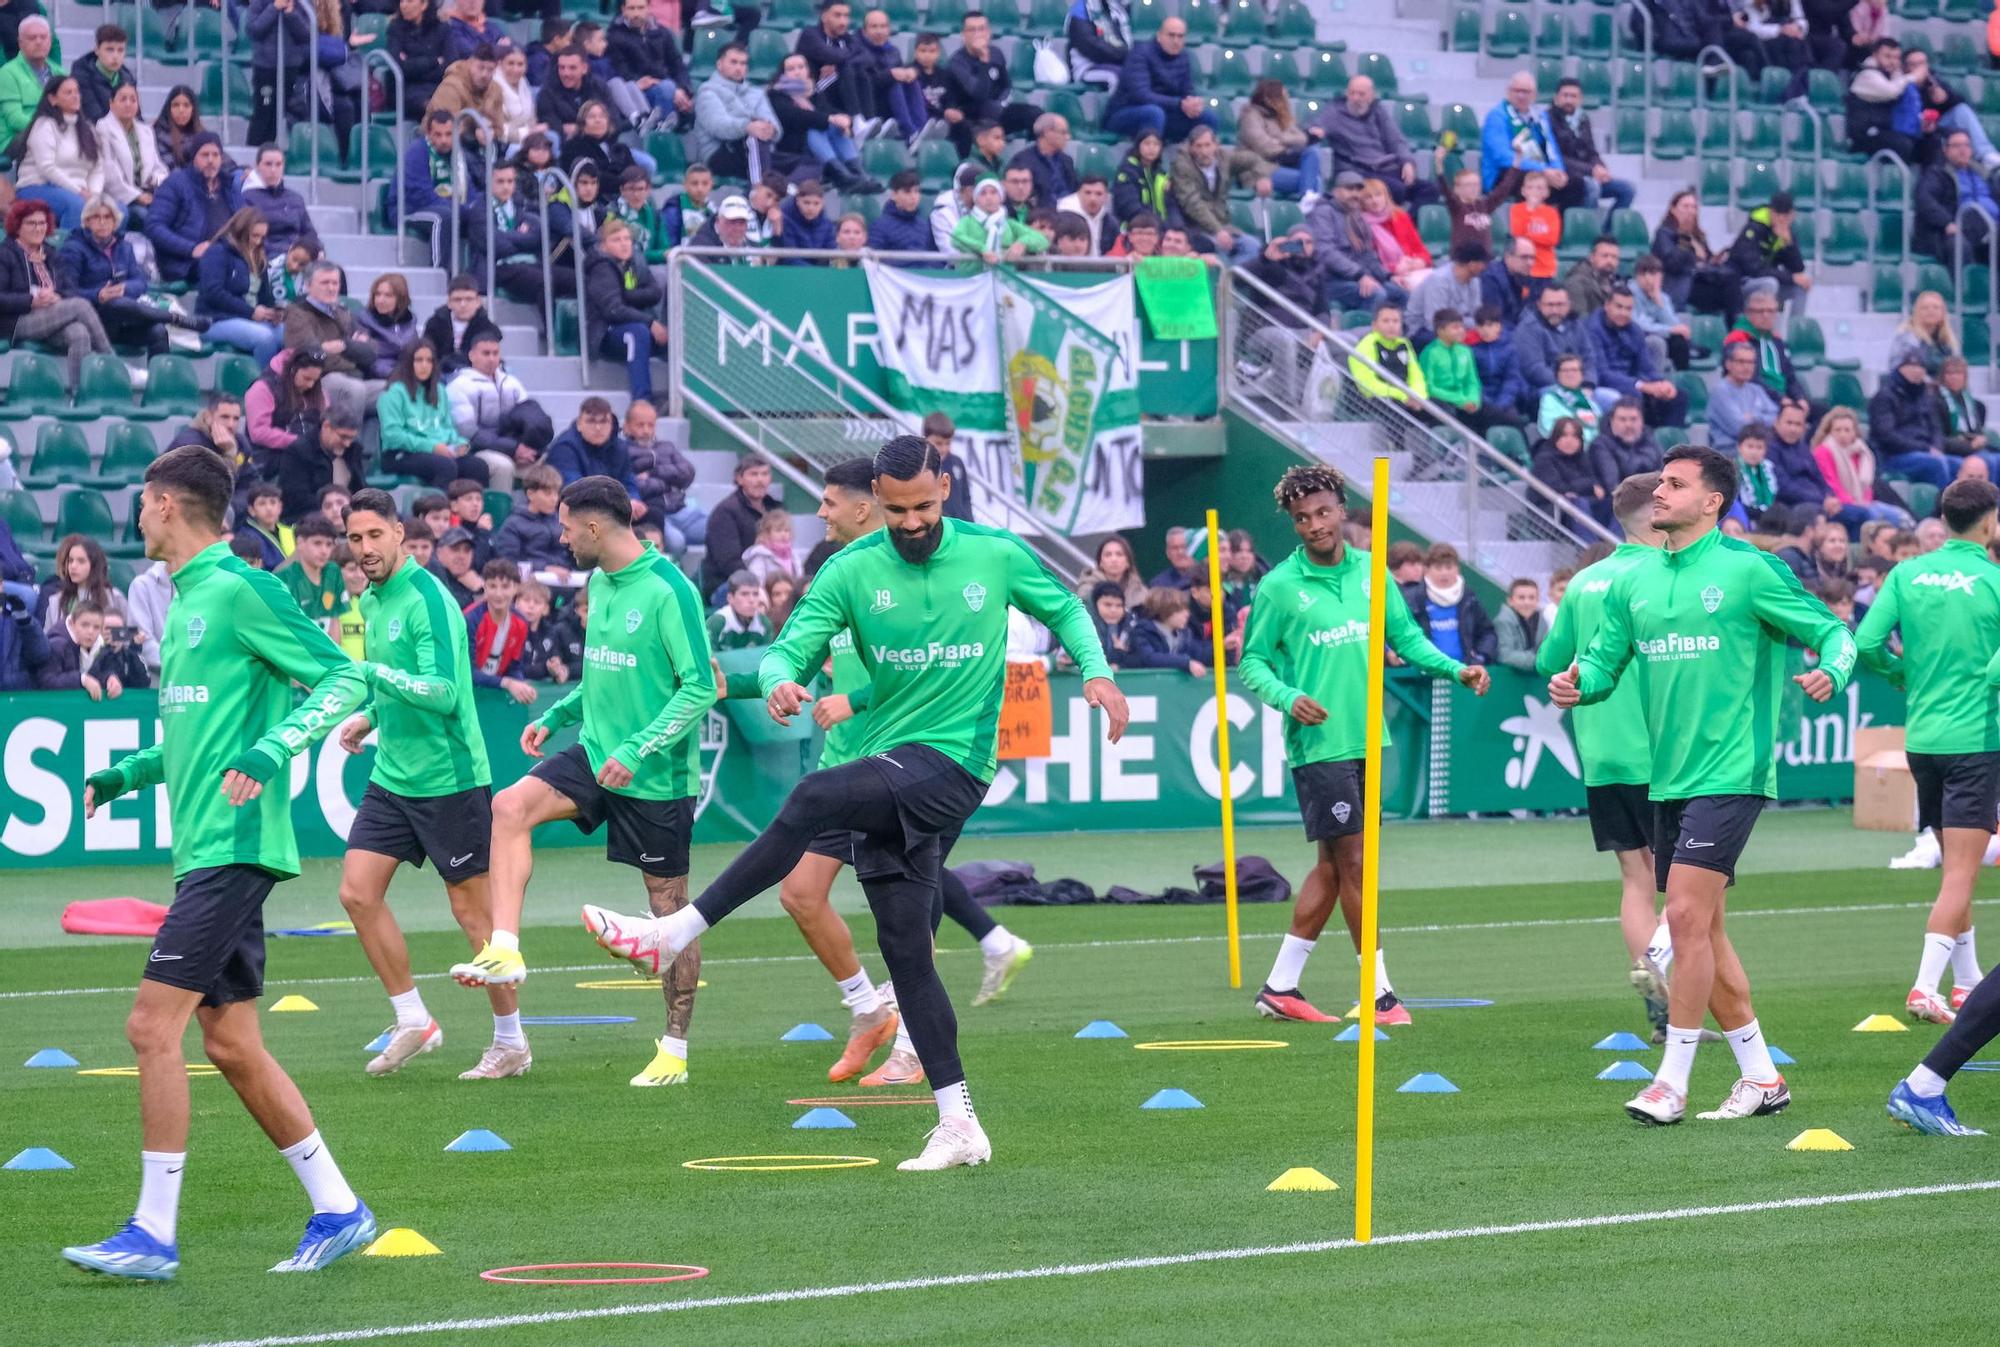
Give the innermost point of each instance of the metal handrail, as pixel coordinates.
(1484, 458)
(1905, 268)
(1811, 117)
(479, 123)
(681, 259)
(396, 81)
(1618, 12)
(1701, 97)
(278, 87)
(312, 100)
(1992, 303)
(548, 267)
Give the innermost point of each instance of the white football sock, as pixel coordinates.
(506, 940)
(1382, 986)
(410, 1012)
(1677, 1062)
(1936, 957)
(1661, 948)
(1290, 965)
(1925, 1082)
(954, 1101)
(858, 994)
(903, 1043)
(507, 1031)
(1965, 971)
(1753, 1055)
(325, 1188)
(998, 941)
(681, 929)
(160, 1193)
(678, 1047)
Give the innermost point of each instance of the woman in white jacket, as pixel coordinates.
(130, 154)
(58, 154)
(517, 99)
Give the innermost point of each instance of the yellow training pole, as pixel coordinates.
(1222, 750)
(1371, 861)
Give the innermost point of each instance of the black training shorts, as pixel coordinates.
(934, 796)
(1621, 817)
(1709, 831)
(650, 835)
(212, 941)
(1330, 797)
(836, 844)
(452, 831)
(1956, 790)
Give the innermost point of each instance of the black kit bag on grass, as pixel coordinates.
(1256, 881)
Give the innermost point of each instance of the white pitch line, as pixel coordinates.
(1110, 1265)
(1431, 928)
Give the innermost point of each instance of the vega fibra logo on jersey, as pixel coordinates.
(604, 657)
(1346, 633)
(183, 694)
(938, 653)
(1678, 644)
(1951, 582)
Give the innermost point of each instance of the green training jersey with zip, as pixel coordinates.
(1308, 637)
(1611, 736)
(932, 637)
(419, 667)
(647, 682)
(1703, 630)
(1946, 603)
(235, 642)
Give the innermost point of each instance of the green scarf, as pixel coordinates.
(1760, 485)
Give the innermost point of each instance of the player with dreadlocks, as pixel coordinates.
(1306, 653)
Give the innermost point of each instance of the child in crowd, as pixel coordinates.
(274, 540)
(1113, 621)
(1162, 640)
(544, 657)
(419, 541)
(1757, 483)
(684, 215)
(772, 553)
(498, 633)
(1534, 219)
(350, 629)
(468, 511)
(740, 623)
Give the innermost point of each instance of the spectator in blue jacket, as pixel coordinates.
(233, 289)
(807, 225)
(432, 189)
(1161, 638)
(1517, 134)
(1627, 364)
(190, 208)
(1500, 378)
(1156, 89)
(469, 29)
(24, 649)
(1047, 162)
(592, 447)
(903, 226)
(267, 17)
(96, 264)
(282, 208)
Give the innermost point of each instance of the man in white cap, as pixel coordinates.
(729, 227)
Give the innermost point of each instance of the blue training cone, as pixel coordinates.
(1172, 1099)
(1428, 1082)
(1620, 1042)
(38, 1157)
(805, 1033)
(1625, 1071)
(1101, 1029)
(380, 1043)
(1782, 1058)
(1352, 1034)
(824, 1117)
(478, 1139)
(51, 1057)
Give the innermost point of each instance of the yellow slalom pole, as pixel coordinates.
(1222, 751)
(1371, 861)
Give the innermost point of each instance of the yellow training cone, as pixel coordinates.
(1301, 1180)
(1881, 1024)
(1818, 1139)
(292, 1003)
(400, 1243)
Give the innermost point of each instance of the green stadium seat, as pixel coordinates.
(129, 449)
(1846, 243)
(1975, 283)
(1580, 227)
(1434, 226)
(1629, 228)
(1696, 389)
(1595, 77)
(787, 14)
(173, 388)
(1670, 437)
(1591, 37)
(1095, 158)
(1414, 120)
(1826, 91)
(1803, 183)
(1628, 133)
(1324, 72)
(1548, 74)
(937, 160)
(1675, 138)
(104, 388)
(1771, 87)
(1807, 341)
(1674, 85)
(768, 49)
(1147, 15)
(1921, 497)
(1461, 122)
(1509, 441)
(1243, 22)
(1763, 138)
(1229, 73)
(1843, 389)
(565, 341)
(1848, 192)
(1958, 56)
(299, 139)
(86, 511)
(1509, 35)
(1964, 11)
(237, 74)
(23, 517)
(1203, 19)
(1885, 294)
(1285, 215)
(710, 39)
(1756, 180)
(1706, 330)
(1720, 134)
(884, 157)
(1282, 66)
(1977, 339)
(1296, 27)
(235, 373)
(35, 388)
(1717, 183)
(1466, 31)
(1912, 10)
(1380, 69)
(499, 504)
(1931, 276)
(62, 458)
(381, 144)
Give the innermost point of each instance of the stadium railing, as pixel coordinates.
(477, 121)
(548, 270)
(369, 60)
(1985, 305)
(1289, 374)
(793, 404)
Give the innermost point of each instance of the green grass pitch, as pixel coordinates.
(1520, 913)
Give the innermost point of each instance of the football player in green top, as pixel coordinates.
(430, 795)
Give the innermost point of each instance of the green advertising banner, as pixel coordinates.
(836, 316)
(1509, 750)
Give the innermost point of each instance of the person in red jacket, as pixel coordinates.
(1397, 242)
(498, 633)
